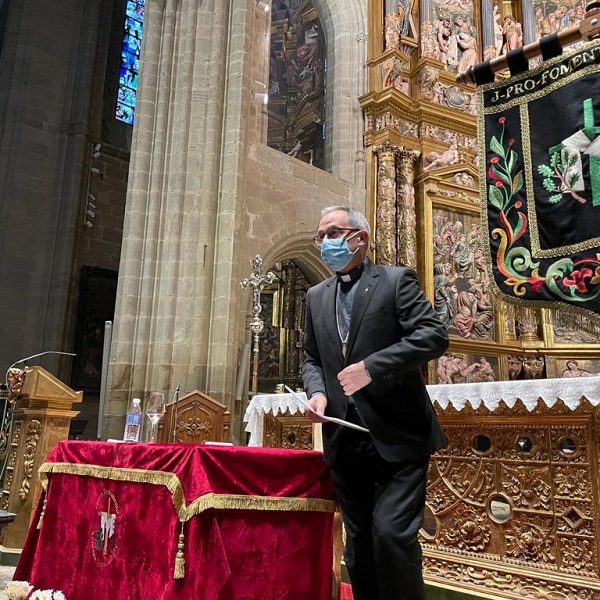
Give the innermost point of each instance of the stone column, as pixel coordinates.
(177, 286)
(386, 222)
(406, 243)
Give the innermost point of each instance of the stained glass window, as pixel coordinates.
(130, 60)
(298, 66)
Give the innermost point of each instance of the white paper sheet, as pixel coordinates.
(308, 407)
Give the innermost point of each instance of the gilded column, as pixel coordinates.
(386, 219)
(509, 322)
(406, 241)
(527, 325)
(428, 35)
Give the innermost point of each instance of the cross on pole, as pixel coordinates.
(257, 281)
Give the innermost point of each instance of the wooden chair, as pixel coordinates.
(200, 418)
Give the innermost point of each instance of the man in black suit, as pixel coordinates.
(369, 329)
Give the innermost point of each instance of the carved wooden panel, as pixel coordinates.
(512, 504)
(197, 418)
(288, 431)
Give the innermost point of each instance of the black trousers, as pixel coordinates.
(382, 506)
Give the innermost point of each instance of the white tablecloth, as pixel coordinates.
(262, 403)
(530, 392)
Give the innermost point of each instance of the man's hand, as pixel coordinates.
(318, 403)
(353, 378)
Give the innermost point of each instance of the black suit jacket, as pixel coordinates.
(395, 330)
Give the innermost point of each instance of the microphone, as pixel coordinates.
(22, 360)
(174, 430)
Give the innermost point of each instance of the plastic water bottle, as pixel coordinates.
(133, 422)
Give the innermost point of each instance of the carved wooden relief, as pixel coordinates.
(511, 504)
(287, 431)
(34, 431)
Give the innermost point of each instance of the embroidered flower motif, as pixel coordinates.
(577, 279)
(502, 120)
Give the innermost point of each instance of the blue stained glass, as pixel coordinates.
(134, 27)
(135, 10)
(132, 44)
(128, 78)
(126, 96)
(124, 113)
(130, 60)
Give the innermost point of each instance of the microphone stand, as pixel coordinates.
(24, 360)
(174, 431)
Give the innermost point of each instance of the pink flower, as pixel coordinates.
(499, 184)
(501, 120)
(494, 160)
(17, 590)
(511, 141)
(577, 279)
(518, 204)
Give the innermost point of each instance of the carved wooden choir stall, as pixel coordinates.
(195, 418)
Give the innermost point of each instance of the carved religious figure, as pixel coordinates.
(498, 34)
(445, 159)
(513, 34)
(466, 39)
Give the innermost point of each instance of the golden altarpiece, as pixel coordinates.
(513, 507)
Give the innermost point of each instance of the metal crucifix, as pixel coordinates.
(257, 281)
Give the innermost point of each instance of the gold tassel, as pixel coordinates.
(39, 525)
(179, 558)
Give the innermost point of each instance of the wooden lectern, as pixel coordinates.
(199, 418)
(42, 416)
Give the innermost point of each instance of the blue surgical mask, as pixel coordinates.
(335, 253)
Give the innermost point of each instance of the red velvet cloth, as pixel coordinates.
(229, 554)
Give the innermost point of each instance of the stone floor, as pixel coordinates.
(6, 575)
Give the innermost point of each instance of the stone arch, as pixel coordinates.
(345, 24)
(300, 249)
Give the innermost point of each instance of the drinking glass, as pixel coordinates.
(155, 410)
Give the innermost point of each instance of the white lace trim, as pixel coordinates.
(263, 403)
(530, 392)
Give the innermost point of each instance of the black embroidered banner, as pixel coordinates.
(540, 180)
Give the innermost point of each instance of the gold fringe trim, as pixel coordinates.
(179, 557)
(239, 502)
(184, 512)
(197, 506)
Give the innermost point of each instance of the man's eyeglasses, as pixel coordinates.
(331, 234)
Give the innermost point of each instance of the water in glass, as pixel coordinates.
(155, 410)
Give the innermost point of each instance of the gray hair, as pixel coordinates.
(355, 218)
